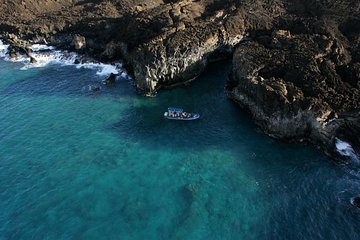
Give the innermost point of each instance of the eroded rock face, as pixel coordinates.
(300, 78)
(173, 42)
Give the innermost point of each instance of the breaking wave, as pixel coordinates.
(46, 55)
(345, 149)
(41, 47)
(3, 49)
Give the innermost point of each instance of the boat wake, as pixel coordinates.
(46, 55)
(345, 149)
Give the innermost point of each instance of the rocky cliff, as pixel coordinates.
(300, 78)
(295, 66)
(164, 42)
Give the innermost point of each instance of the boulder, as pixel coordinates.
(33, 60)
(110, 80)
(79, 42)
(13, 55)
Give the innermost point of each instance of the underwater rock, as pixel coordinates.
(190, 191)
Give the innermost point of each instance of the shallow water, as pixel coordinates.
(76, 164)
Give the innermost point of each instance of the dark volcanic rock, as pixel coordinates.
(300, 79)
(33, 60)
(110, 80)
(13, 55)
(79, 42)
(176, 42)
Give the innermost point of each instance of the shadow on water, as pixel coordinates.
(220, 122)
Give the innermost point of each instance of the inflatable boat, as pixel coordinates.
(179, 114)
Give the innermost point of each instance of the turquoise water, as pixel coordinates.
(106, 165)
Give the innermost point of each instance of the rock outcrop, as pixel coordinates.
(18, 47)
(110, 80)
(79, 42)
(300, 78)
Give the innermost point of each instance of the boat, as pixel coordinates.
(179, 114)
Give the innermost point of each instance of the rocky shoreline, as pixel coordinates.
(293, 101)
(296, 64)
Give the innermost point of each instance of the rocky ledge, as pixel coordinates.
(295, 66)
(300, 79)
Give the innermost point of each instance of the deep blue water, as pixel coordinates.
(107, 165)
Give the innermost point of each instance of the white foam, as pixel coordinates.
(46, 55)
(45, 58)
(41, 47)
(124, 75)
(345, 149)
(3, 49)
(102, 69)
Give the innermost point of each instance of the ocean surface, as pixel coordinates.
(76, 163)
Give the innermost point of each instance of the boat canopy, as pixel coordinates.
(179, 110)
